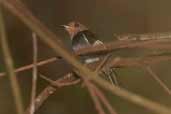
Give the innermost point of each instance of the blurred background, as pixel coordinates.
(105, 18)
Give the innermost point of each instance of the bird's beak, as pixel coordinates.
(65, 26)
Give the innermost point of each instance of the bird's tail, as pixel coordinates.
(112, 76)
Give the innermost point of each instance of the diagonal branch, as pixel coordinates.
(103, 99)
(94, 97)
(155, 77)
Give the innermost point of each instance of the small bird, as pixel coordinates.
(82, 37)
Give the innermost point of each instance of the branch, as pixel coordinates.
(49, 90)
(94, 97)
(34, 74)
(121, 62)
(28, 67)
(158, 80)
(118, 45)
(10, 66)
(104, 100)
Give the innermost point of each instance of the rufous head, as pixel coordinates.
(74, 27)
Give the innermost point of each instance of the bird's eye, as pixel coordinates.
(76, 24)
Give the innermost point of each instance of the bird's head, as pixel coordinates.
(74, 27)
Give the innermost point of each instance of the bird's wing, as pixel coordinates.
(91, 37)
(79, 41)
(84, 39)
(93, 40)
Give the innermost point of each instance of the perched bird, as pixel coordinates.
(82, 37)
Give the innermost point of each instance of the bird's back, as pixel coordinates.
(83, 39)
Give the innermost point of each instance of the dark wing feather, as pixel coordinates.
(90, 36)
(79, 41)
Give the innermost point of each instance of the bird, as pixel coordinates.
(82, 37)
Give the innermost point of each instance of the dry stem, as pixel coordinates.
(35, 72)
(10, 66)
(161, 83)
(49, 90)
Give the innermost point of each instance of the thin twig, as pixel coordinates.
(161, 83)
(35, 70)
(60, 82)
(17, 8)
(30, 66)
(103, 99)
(41, 98)
(10, 66)
(123, 62)
(94, 97)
